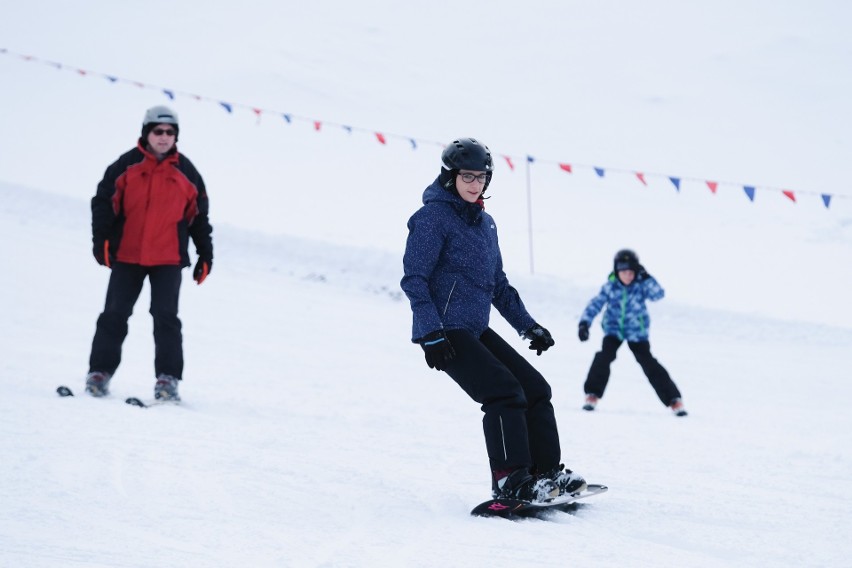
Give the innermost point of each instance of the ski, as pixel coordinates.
(64, 391)
(133, 401)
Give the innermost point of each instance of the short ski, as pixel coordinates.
(133, 401)
(514, 509)
(62, 390)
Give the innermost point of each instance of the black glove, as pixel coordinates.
(101, 251)
(641, 273)
(540, 339)
(583, 331)
(202, 269)
(438, 349)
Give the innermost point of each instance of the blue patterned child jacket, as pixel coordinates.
(626, 315)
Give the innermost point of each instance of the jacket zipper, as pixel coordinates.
(447, 305)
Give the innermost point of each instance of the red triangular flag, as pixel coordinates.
(509, 161)
(641, 177)
(566, 167)
(380, 137)
(317, 125)
(790, 195)
(712, 185)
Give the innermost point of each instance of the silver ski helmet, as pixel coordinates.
(159, 115)
(465, 154)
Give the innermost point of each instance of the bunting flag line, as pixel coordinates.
(383, 137)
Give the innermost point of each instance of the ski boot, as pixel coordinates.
(521, 485)
(591, 402)
(677, 407)
(97, 383)
(166, 388)
(568, 482)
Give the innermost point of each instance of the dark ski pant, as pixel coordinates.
(519, 423)
(657, 375)
(125, 285)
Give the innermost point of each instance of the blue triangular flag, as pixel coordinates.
(749, 190)
(347, 129)
(226, 106)
(676, 182)
(600, 172)
(169, 94)
(530, 159)
(111, 78)
(413, 143)
(826, 199)
(287, 118)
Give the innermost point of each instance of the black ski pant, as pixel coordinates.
(125, 285)
(657, 375)
(519, 423)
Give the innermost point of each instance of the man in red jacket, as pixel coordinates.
(150, 202)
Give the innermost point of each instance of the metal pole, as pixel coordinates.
(529, 214)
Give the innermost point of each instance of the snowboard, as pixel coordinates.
(514, 509)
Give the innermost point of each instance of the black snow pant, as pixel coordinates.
(125, 285)
(657, 375)
(519, 423)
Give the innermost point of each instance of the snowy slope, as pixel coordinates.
(312, 433)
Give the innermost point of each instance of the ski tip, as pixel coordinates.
(133, 401)
(64, 391)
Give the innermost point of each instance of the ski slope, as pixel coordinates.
(312, 433)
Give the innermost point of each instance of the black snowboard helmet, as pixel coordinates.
(159, 115)
(625, 259)
(465, 154)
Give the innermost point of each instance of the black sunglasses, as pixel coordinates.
(161, 131)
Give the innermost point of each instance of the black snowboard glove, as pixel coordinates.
(641, 273)
(101, 251)
(540, 339)
(202, 269)
(438, 349)
(583, 331)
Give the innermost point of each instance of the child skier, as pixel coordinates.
(626, 318)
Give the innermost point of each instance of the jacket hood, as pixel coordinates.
(435, 193)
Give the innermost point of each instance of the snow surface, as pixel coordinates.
(312, 432)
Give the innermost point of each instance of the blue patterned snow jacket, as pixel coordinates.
(453, 268)
(626, 316)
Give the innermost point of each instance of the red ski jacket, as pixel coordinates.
(148, 209)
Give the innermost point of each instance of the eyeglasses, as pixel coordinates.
(161, 131)
(468, 178)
